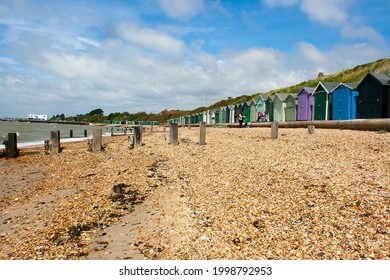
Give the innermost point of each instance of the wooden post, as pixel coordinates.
(112, 131)
(173, 134)
(274, 130)
(71, 133)
(202, 130)
(11, 146)
(130, 140)
(55, 145)
(97, 140)
(47, 146)
(311, 129)
(137, 136)
(85, 133)
(125, 131)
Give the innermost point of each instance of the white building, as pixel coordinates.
(35, 117)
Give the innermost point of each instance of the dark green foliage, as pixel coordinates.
(96, 112)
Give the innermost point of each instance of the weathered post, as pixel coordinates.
(137, 136)
(311, 129)
(274, 130)
(47, 146)
(125, 131)
(71, 133)
(85, 133)
(55, 145)
(97, 140)
(173, 134)
(202, 130)
(11, 146)
(112, 131)
(130, 140)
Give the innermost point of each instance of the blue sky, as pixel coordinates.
(75, 56)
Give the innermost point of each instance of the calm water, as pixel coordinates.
(30, 134)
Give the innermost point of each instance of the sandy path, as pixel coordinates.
(157, 224)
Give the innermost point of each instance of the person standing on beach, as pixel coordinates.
(240, 119)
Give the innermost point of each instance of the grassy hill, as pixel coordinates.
(354, 75)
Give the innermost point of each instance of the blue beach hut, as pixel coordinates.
(345, 98)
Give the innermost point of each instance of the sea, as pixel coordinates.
(31, 134)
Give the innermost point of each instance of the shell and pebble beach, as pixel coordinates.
(241, 196)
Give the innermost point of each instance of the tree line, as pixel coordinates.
(97, 116)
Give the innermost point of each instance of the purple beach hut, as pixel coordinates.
(305, 104)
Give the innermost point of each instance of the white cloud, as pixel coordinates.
(333, 13)
(88, 42)
(338, 57)
(330, 12)
(311, 53)
(151, 39)
(357, 31)
(282, 3)
(181, 8)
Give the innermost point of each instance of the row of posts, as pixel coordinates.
(174, 134)
(95, 144)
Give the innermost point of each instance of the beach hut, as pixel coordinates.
(196, 118)
(237, 110)
(210, 117)
(279, 104)
(374, 96)
(305, 104)
(269, 109)
(246, 109)
(323, 100)
(203, 117)
(216, 115)
(344, 102)
(222, 114)
(260, 104)
(253, 117)
(225, 114)
(291, 107)
(232, 113)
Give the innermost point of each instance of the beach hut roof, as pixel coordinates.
(263, 96)
(282, 96)
(383, 78)
(309, 90)
(294, 95)
(349, 85)
(328, 86)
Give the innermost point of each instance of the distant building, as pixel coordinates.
(35, 117)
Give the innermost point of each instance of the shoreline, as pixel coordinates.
(51, 122)
(240, 196)
(64, 140)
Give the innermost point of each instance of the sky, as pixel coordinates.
(73, 56)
